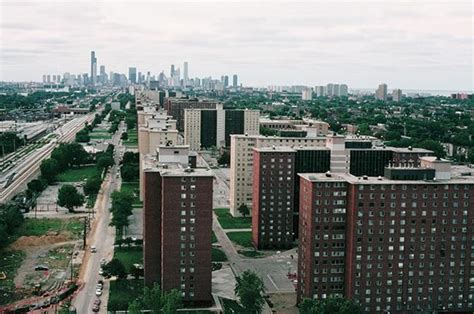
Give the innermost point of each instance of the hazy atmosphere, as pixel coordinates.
(420, 45)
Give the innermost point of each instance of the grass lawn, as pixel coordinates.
(41, 226)
(123, 292)
(228, 222)
(251, 253)
(132, 138)
(9, 263)
(241, 238)
(129, 256)
(133, 188)
(213, 238)
(218, 255)
(78, 174)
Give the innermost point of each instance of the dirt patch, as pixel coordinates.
(29, 241)
(284, 303)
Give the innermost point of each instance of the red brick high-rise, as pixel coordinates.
(273, 197)
(399, 243)
(177, 230)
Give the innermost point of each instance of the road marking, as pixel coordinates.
(273, 283)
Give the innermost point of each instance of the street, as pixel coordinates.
(103, 237)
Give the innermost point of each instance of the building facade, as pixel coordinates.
(177, 230)
(273, 197)
(389, 244)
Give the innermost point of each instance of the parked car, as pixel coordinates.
(41, 267)
(98, 292)
(97, 302)
(93, 249)
(95, 308)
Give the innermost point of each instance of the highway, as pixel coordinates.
(29, 165)
(103, 237)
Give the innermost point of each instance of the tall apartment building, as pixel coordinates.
(178, 225)
(205, 128)
(273, 197)
(175, 108)
(155, 128)
(241, 163)
(400, 243)
(309, 127)
(397, 95)
(381, 92)
(307, 94)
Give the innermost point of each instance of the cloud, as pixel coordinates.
(267, 42)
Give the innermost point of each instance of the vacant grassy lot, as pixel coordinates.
(134, 189)
(241, 238)
(122, 292)
(132, 138)
(9, 263)
(218, 255)
(129, 256)
(77, 174)
(41, 226)
(228, 222)
(100, 136)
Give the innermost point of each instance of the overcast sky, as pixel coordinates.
(408, 44)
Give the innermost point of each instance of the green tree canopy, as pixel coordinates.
(49, 169)
(331, 305)
(69, 197)
(249, 288)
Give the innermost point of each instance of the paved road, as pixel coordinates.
(102, 236)
(29, 165)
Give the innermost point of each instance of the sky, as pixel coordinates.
(421, 44)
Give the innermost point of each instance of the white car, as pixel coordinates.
(101, 271)
(98, 292)
(93, 249)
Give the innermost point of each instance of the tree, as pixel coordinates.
(158, 302)
(130, 172)
(329, 306)
(121, 210)
(37, 185)
(49, 169)
(69, 197)
(92, 185)
(249, 287)
(124, 136)
(130, 158)
(83, 136)
(244, 210)
(135, 307)
(115, 268)
(224, 158)
(69, 155)
(104, 161)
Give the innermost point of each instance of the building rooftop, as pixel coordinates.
(459, 175)
(280, 149)
(173, 169)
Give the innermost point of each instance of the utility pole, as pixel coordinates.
(84, 234)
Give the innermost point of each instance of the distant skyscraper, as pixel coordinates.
(235, 80)
(132, 75)
(48, 78)
(44, 78)
(343, 90)
(185, 72)
(307, 94)
(172, 70)
(93, 68)
(397, 95)
(226, 81)
(381, 92)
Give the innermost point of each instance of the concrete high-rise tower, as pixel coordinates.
(381, 92)
(132, 75)
(185, 72)
(235, 80)
(93, 68)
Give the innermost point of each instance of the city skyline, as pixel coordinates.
(289, 45)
